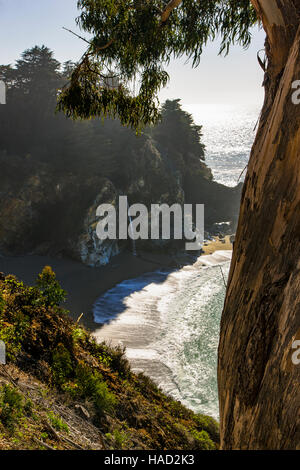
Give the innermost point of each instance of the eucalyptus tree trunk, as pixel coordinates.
(259, 386)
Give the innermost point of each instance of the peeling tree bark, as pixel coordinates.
(258, 384)
(168, 9)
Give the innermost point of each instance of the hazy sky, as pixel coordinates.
(235, 79)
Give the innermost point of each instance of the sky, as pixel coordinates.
(236, 78)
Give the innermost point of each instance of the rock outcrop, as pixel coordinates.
(46, 212)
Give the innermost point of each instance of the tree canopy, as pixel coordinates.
(131, 40)
(32, 130)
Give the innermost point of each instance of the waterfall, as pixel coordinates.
(131, 233)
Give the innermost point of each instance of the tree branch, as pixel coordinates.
(101, 48)
(77, 35)
(169, 8)
(98, 48)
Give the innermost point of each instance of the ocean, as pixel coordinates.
(169, 321)
(228, 134)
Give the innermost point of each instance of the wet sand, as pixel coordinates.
(82, 283)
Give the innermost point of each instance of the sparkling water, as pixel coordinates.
(228, 134)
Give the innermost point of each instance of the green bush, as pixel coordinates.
(50, 288)
(80, 382)
(2, 303)
(120, 438)
(13, 333)
(119, 362)
(57, 422)
(61, 367)
(203, 440)
(78, 335)
(90, 385)
(208, 424)
(11, 406)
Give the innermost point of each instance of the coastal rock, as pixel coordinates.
(53, 213)
(93, 251)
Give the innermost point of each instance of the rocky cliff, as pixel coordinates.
(55, 173)
(45, 212)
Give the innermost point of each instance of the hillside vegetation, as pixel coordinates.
(61, 390)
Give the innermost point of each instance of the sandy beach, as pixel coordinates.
(217, 245)
(85, 284)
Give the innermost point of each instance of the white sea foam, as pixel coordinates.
(169, 323)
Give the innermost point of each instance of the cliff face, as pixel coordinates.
(46, 212)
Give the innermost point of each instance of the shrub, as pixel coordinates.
(2, 303)
(57, 422)
(12, 334)
(119, 362)
(203, 440)
(208, 424)
(120, 438)
(61, 367)
(11, 406)
(78, 335)
(178, 410)
(81, 382)
(90, 385)
(50, 288)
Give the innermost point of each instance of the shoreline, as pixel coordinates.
(84, 284)
(168, 323)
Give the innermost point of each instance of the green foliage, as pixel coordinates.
(62, 367)
(50, 288)
(11, 407)
(203, 440)
(80, 381)
(78, 334)
(114, 358)
(208, 424)
(57, 422)
(177, 132)
(2, 303)
(119, 362)
(130, 41)
(177, 409)
(91, 385)
(13, 328)
(118, 439)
